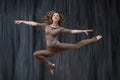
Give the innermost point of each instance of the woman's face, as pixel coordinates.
(56, 17)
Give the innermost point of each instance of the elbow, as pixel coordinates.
(73, 32)
(34, 24)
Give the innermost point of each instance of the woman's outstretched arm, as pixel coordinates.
(64, 30)
(31, 23)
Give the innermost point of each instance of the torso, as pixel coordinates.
(52, 35)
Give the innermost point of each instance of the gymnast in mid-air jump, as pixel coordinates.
(53, 29)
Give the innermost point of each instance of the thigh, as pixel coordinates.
(45, 53)
(67, 46)
(62, 47)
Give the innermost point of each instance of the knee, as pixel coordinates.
(35, 54)
(78, 45)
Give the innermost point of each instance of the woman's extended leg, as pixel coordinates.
(66, 46)
(40, 55)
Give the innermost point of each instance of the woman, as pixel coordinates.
(52, 30)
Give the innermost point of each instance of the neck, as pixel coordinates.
(55, 23)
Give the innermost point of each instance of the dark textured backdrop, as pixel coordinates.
(97, 61)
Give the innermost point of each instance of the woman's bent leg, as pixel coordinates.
(40, 55)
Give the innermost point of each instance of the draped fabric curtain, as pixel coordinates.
(96, 61)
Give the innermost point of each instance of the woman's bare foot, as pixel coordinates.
(98, 37)
(52, 67)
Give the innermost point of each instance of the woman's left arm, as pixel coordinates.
(64, 30)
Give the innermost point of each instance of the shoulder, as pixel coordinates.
(61, 28)
(65, 30)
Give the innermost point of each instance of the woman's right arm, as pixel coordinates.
(31, 23)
